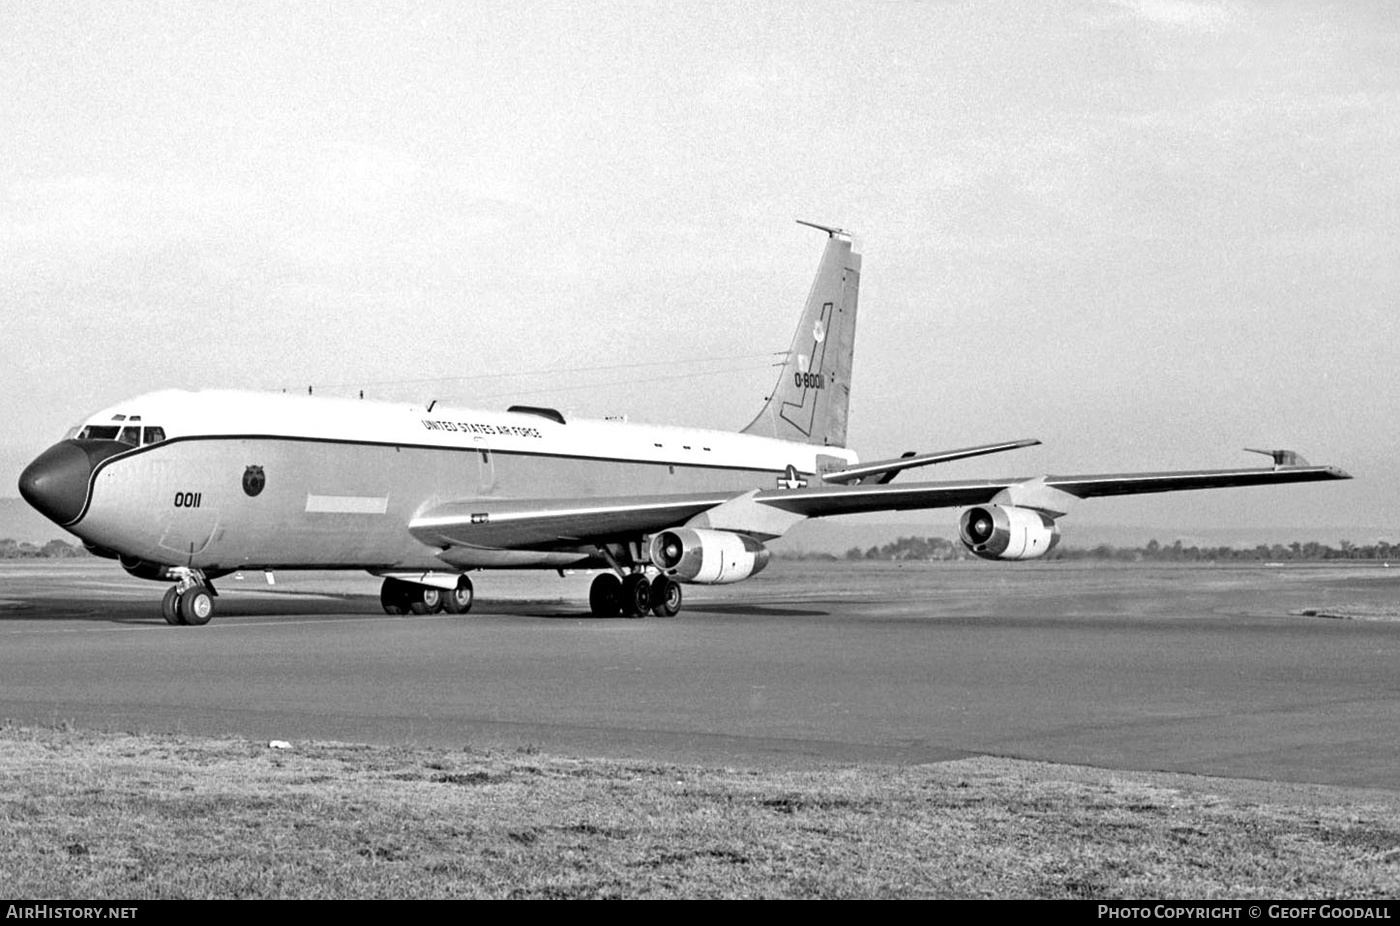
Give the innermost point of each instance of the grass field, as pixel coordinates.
(89, 815)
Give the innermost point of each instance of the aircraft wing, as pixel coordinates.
(556, 522)
(823, 501)
(567, 523)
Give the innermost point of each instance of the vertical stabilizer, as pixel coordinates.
(810, 401)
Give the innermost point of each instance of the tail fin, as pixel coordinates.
(810, 401)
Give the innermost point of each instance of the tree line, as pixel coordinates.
(940, 549)
(54, 549)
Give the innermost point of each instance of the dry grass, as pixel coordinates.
(92, 816)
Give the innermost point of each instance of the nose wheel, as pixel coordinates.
(170, 606)
(192, 605)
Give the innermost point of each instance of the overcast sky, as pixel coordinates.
(1147, 232)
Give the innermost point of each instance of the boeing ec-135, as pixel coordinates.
(186, 487)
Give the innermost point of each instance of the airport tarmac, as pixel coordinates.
(1212, 670)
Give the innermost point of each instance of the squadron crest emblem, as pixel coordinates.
(253, 480)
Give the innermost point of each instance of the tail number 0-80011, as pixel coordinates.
(809, 380)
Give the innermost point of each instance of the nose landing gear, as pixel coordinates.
(190, 600)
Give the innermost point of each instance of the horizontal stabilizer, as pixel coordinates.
(882, 471)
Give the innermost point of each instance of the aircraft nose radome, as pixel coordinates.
(56, 482)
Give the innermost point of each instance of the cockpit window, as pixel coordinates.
(133, 434)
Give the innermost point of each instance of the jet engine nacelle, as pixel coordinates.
(707, 557)
(1005, 532)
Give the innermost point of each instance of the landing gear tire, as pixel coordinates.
(394, 596)
(636, 596)
(665, 597)
(604, 595)
(170, 606)
(425, 600)
(196, 606)
(459, 600)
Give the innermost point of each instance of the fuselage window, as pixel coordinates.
(98, 432)
(131, 436)
(155, 435)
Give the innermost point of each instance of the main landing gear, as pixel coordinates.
(190, 601)
(634, 595)
(400, 597)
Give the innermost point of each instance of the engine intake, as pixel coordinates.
(707, 557)
(1005, 532)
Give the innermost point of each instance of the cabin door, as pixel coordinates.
(486, 467)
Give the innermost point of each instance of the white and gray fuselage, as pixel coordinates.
(245, 480)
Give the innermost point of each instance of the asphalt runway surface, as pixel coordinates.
(1208, 670)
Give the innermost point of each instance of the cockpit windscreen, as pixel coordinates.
(135, 435)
